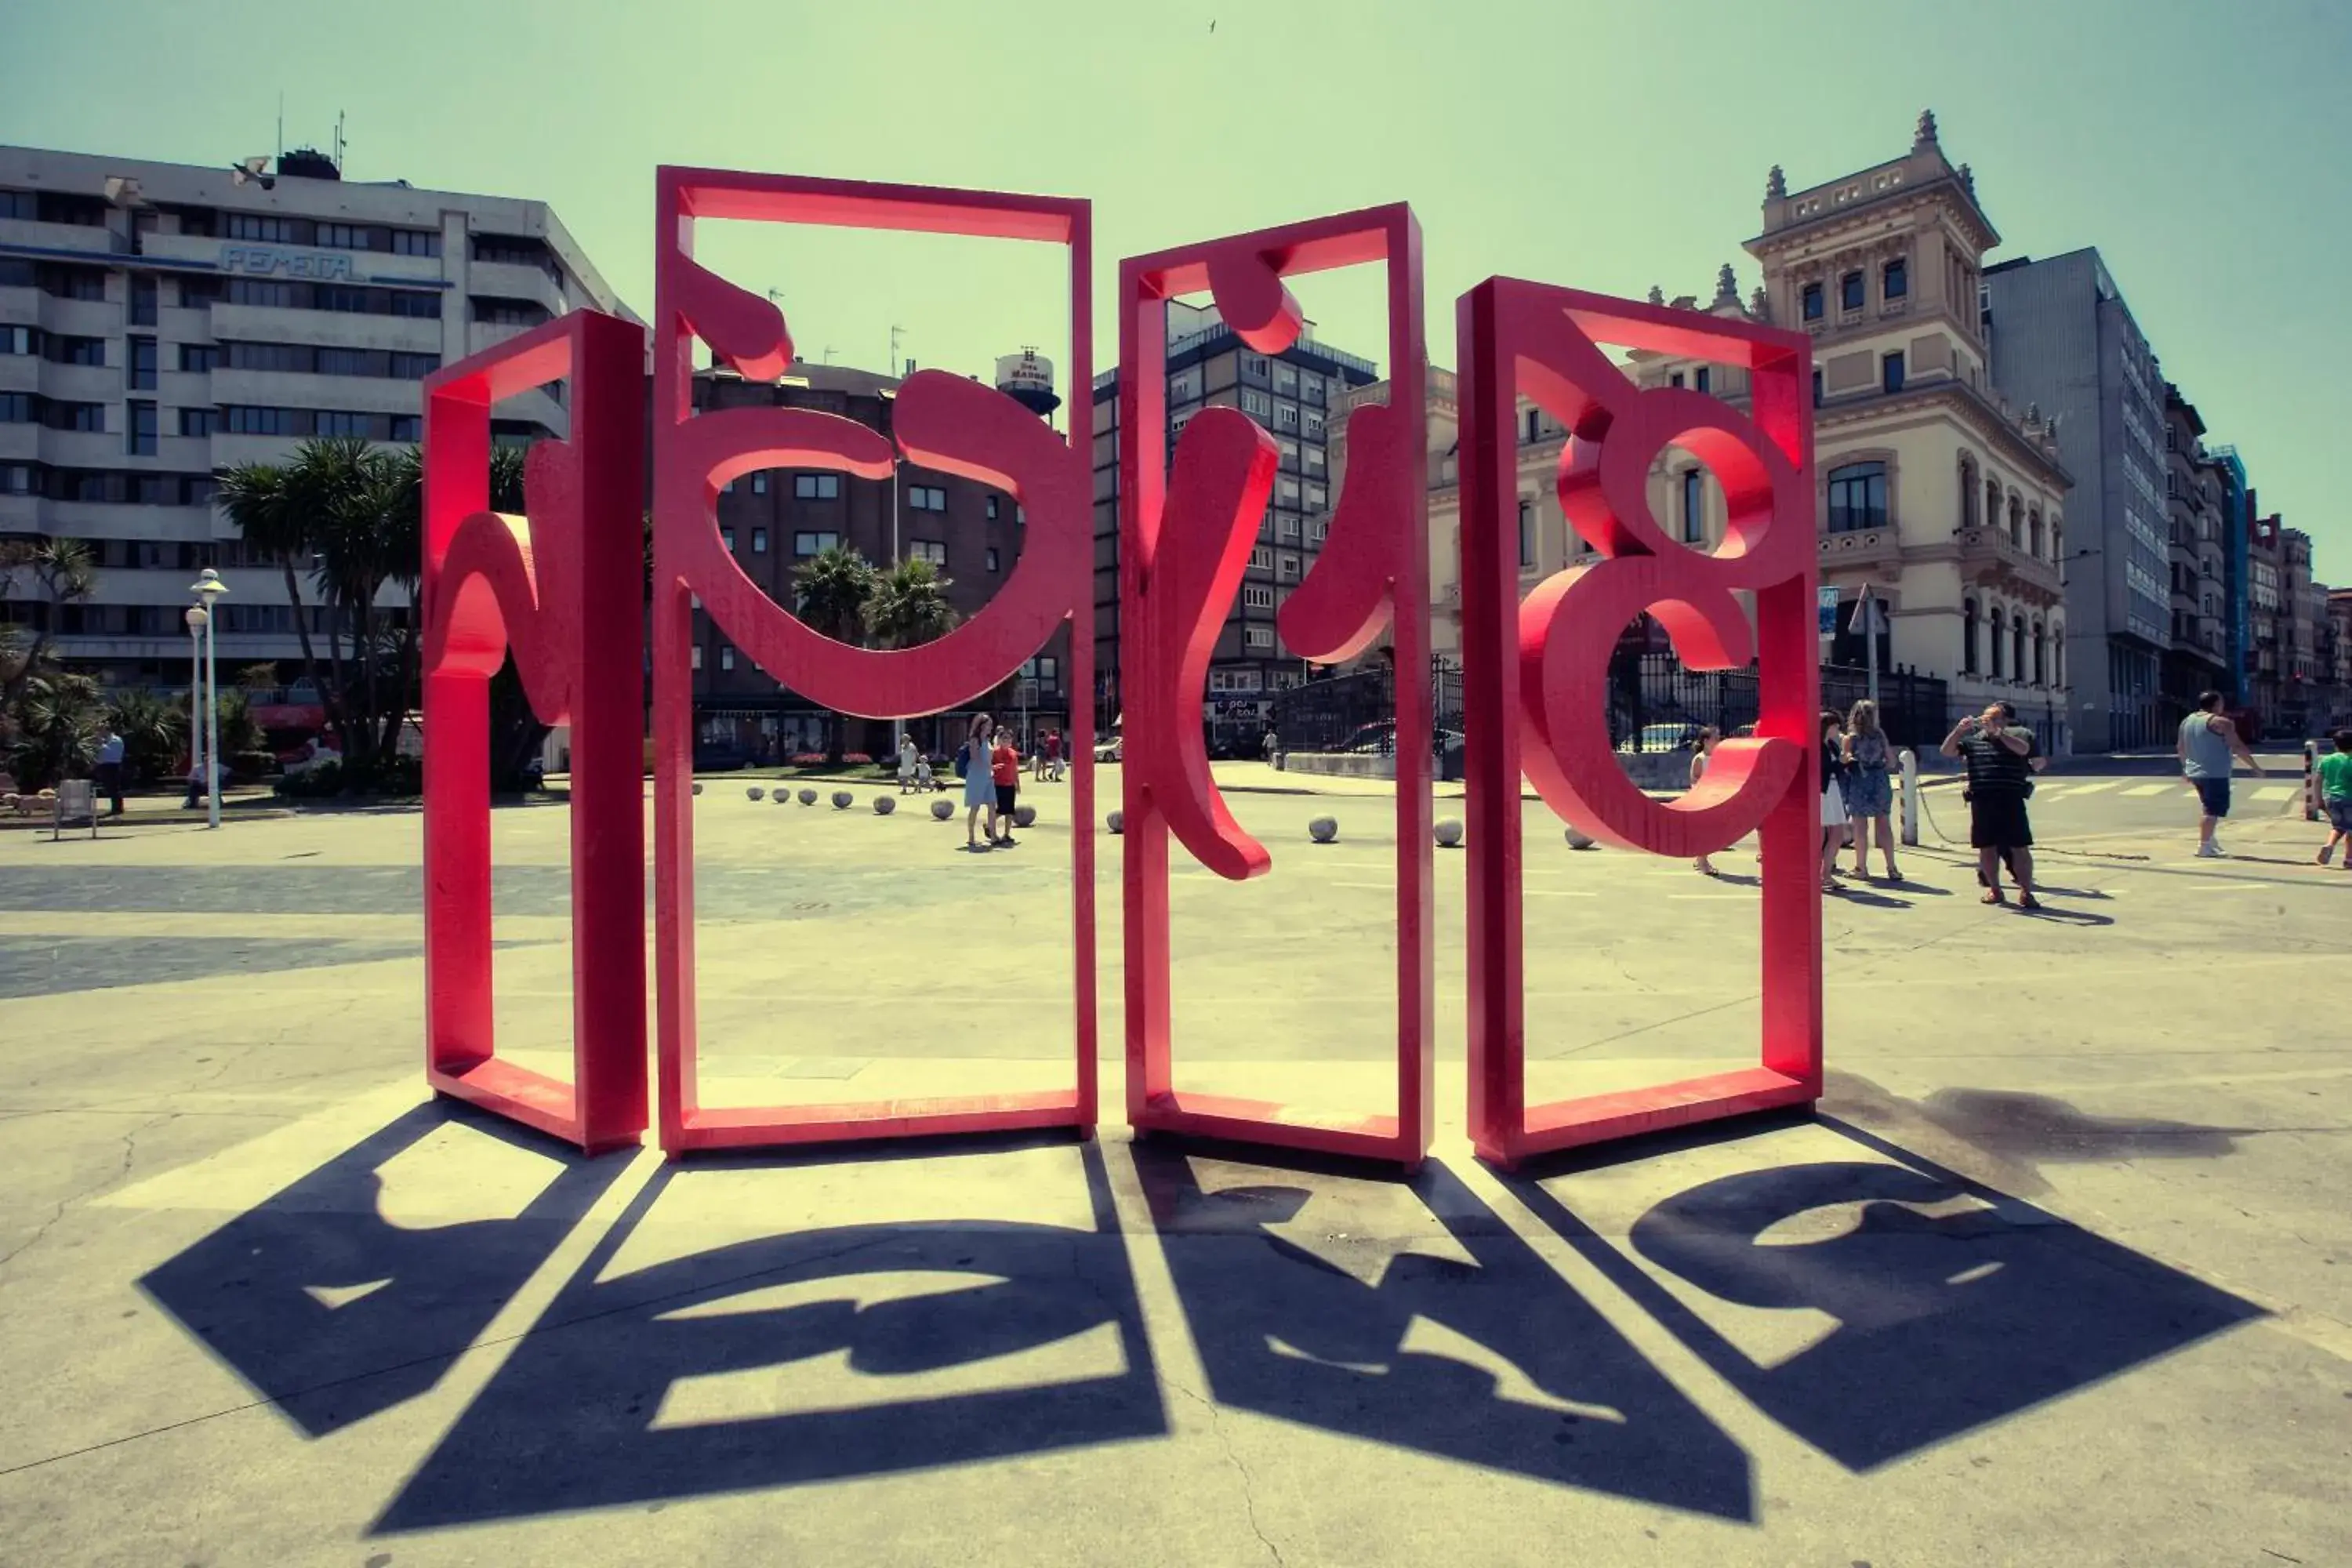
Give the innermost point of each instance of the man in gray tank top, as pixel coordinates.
(2209, 744)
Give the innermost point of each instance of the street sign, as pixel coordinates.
(1869, 616)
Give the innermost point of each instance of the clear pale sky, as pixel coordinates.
(2203, 148)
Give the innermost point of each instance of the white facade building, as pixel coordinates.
(159, 321)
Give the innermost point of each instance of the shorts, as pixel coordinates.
(2214, 793)
(1833, 804)
(2339, 812)
(1004, 793)
(1997, 821)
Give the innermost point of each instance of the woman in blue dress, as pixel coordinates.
(979, 790)
(1869, 789)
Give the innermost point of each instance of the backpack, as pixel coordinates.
(963, 759)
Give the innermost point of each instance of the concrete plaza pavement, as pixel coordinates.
(2058, 1273)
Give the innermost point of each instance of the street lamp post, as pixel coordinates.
(196, 618)
(208, 587)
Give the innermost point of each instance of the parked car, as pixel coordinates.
(1112, 749)
(1661, 738)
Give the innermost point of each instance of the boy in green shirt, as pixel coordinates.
(2335, 796)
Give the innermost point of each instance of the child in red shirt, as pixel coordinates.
(1004, 771)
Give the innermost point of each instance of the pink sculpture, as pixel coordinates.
(1184, 542)
(1534, 674)
(942, 422)
(539, 585)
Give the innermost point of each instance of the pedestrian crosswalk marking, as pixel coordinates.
(2274, 792)
(2148, 789)
(2074, 789)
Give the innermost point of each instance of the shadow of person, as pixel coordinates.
(850, 1351)
(1943, 1321)
(332, 1312)
(1494, 1361)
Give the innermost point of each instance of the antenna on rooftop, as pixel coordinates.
(339, 141)
(281, 122)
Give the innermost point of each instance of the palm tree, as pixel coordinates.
(153, 731)
(56, 719)
(907, 606)
(256, 498)
(62, 571)
(830, 590)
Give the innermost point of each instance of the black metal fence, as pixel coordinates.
(1656, 704)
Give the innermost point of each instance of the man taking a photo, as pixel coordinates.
(1998, 780)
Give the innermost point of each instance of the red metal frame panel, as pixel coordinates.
(537, 585)
(1184, 542)
(1535, 673)
(942, 422)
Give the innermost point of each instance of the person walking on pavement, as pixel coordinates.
(2335, 797)
(909, 755)
(1834, 816)
(1004, 772)
(108, 770)
(1999, 778)
(2208, 743)
(971, 765)
(1869, 789)
(1701, 749)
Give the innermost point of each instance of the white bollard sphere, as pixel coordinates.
(942, 809)
(783, 797)
(885, 805)
(697, 789)
(1024, 816)
(1116, 822)
(843, 800)
(755, 792)
(808, 798)
(1449, 833)
(1323, 829)
(1580, 840)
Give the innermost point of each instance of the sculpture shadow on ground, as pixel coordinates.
(1497, 1361)
(332, 1312)
(851, 1350)
(1944, 1322)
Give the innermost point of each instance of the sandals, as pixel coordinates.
(2028, 901)
(1993, 896)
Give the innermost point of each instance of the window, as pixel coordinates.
(196, 422)
(1676, 380)
(1257, 637)
(1967, 491)
(1694, 506)
(1968, 636)
(1857, 497)
(726, 656)
(927, 498)
(1256, 403)
(242, 419)
(1890, 371)
(58, 349)
(813, 544)
(88, 417)
(1318, 531)
(2017, 647)
(992, 516)
(1850, 291)
(1285, 417)
(1996, 641)
(501, 313)
(1702, 380)
(1812, 301)
(694, 656)
(1261, 559)
(1256, 597)
(1534, 425)
(1254, 367)
(817, 487)
(415, 242)
(196, 359)
(142, 300)
(759, 483)
(142, 430)
(2034, 531)
(19, 408)
(22, 341)
(348, 237)
(199, 293)
(266, 227)
(353, 361)
(343, 423)
(407, 428)
(1285, 567)
(1314, 423)
(413, 366)
(1895, 278)
(1527, 535)
(70, 283)
(993, 563)
(934, 551)
(759, 542)
(726, 537)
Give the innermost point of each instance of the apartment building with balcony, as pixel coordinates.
(2063, 336)
(161, 322)
(1299, 396)
(2198, 657)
